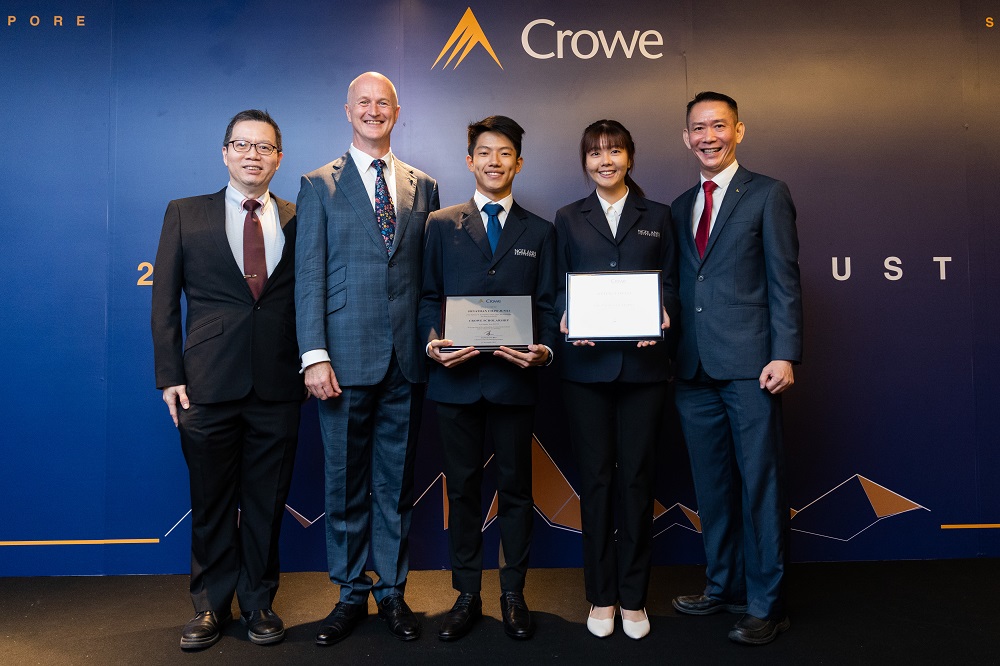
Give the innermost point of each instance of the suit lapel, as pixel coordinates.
(737, 188)
(406, 188)
(684, 221)
(345, 174)
(513, 227)
(215, 212)
(286, 211)
(472, 222)
(591, 211)
(631, 213)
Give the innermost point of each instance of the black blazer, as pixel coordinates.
(230, 344)
(458, 262)
(645, 241)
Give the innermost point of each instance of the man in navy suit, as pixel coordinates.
(230, 378)
(488, 246)
(361, 224)
(740, 334)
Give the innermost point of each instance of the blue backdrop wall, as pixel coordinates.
(882, 123)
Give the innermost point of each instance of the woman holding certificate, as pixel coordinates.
(615, 390)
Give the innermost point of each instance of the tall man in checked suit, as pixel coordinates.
(231, 379)
(361, 223)
(488, 246)
(740, 334)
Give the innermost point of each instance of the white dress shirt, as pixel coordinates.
(364, 163)
(274, 237)
(722, 181)
(613, 211)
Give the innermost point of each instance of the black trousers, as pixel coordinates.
(463, 435)
(240, 456)
(615, 428)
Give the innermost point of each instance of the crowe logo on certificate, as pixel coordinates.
(625, 305)
(489, 322)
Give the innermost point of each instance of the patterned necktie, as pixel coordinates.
(493, 224)
(705, 221)
(254, 260)
(385, 213)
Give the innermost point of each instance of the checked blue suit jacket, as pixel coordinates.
(351, 297)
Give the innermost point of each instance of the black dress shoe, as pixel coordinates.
(750, 630)
(467, 609)
(699, 604)
(263, 626)
(339, 624)
(516, 616)
(402, 623)
(202, 630)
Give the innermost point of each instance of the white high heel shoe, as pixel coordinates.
(600, 628)
(638, 628)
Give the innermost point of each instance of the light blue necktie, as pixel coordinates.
(493, 224)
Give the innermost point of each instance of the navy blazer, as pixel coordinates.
(458, 262)
(352, 298)
(741, 305)
(231, 343)
(645, 241)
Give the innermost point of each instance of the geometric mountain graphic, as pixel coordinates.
(849, 509)
(676, 516)
(840, 514)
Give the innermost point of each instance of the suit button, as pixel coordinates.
(392, 298)
(256, 307)
(614, 264)
(491, 272)
(701, 278)
(698, 309)
(392, 264)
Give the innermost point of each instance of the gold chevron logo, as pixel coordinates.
(466, 35)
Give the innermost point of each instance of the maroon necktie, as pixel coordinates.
(254, 261)
(705, 222)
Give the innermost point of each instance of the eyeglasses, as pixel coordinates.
(263, 149)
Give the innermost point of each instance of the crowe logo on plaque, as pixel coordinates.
(467, 34)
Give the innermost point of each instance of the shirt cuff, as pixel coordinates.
(312, 357)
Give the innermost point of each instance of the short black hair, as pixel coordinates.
(710, 96)
(252, 114)
(499, 124)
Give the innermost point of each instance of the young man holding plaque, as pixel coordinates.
(488, 247)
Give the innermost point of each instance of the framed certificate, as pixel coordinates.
(626, 305)
(488, 322)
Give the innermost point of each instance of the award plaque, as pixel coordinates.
(626, 305)
(488, 322)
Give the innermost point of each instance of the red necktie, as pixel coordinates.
(705, 221)
(254, 261)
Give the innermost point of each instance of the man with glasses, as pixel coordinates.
(230, 377)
